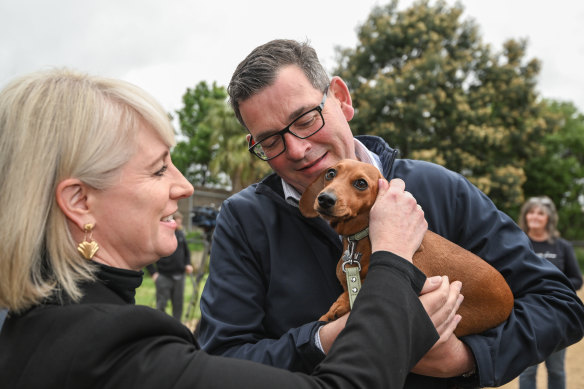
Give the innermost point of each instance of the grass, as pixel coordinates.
(146, 295)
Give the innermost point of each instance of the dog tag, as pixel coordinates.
(353, 283)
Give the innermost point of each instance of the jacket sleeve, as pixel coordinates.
(547, 314)
(111, 345)
(386, 334)
(233, 303)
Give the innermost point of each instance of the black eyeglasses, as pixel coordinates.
(304, 126)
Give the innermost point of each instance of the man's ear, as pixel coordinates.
(340, 91)
(71, 196)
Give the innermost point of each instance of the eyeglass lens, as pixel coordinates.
(303, 127)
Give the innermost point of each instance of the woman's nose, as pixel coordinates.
(182, 188)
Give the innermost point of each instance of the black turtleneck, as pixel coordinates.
(121, 281)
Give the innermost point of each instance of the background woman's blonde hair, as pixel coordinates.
(55, 125)
(547, 205)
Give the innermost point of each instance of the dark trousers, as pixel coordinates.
(555, 369)
(170, 288)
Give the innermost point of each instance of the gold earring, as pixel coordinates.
(88, 247)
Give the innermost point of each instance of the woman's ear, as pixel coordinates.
(340, 91)
(71, 197)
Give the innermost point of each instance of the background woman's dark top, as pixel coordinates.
(560, 253)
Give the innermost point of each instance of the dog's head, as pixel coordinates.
(343, 195)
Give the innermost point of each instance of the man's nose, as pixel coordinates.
(296, 147)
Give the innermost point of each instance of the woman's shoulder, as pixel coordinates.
(564, 243)
(101, 324)
(58, 342)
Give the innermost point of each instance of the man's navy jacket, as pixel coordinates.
(272, 275)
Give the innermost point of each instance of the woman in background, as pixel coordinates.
(539, 220)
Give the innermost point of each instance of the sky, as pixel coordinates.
(167, 46)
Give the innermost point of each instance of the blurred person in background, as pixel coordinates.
(539, 220)
(168, 273)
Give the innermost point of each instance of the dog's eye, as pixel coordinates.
(330, 174)
(360, 184)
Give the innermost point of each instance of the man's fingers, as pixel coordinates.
(446, 328)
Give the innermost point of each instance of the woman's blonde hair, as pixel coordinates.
(55, 125)
(548, 207)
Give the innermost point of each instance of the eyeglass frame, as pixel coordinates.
(252, 144)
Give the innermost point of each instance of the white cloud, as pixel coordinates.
(166, 47)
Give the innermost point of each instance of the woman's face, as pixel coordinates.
(133, 224)
(536, 219)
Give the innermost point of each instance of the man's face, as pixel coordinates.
(277, 105)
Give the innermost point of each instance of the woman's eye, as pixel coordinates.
(360, 184)
(161, 171)
(330, 174)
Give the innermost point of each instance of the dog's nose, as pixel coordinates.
(326, 200)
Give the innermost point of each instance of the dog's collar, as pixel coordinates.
(359, 235)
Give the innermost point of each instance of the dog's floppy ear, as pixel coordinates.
(306, 204)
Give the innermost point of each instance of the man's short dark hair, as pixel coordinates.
(260, 69)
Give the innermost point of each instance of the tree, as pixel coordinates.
(193, 155)
(214, 148)
(423, 80)
(232, 155)
(558, 171)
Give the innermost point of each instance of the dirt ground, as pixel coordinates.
(574, 367)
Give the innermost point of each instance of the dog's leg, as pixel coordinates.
(338, 309)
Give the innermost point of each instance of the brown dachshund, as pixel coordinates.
(344, 194)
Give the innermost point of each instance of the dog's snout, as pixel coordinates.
(326, 200)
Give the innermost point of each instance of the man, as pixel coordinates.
(273, 271)
(168, 273)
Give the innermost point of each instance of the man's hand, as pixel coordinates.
(449, 357)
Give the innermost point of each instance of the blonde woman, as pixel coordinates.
(87, 192)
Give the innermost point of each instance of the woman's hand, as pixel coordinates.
(396, 222)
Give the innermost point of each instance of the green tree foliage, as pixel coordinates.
(232, 155)
(214, 149)
(558, 171)
(422, 79)
(193, 155)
